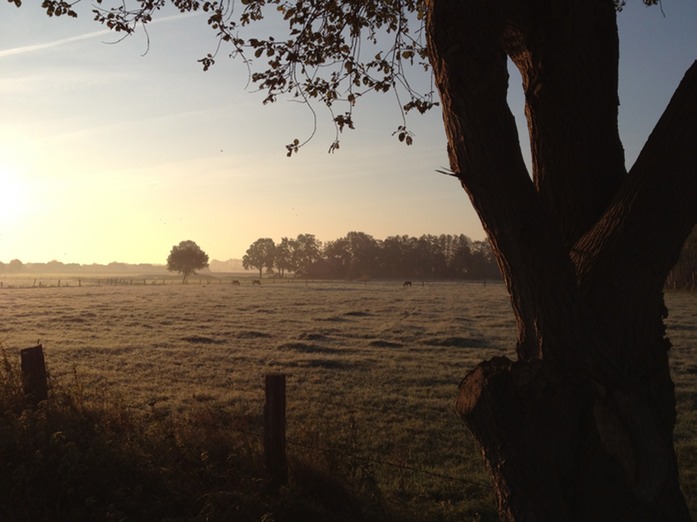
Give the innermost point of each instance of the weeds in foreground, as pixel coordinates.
(74, 459)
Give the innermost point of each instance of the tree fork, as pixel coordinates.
(577, 167)
(471, 73)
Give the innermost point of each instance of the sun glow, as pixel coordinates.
(14, 195)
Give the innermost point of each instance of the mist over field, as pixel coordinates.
(57, 267)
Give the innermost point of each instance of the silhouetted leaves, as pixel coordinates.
(332, 52)
(55, 8)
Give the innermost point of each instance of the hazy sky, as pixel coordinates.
(109, 155)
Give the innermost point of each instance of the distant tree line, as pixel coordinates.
(358, 255)
(18, 267)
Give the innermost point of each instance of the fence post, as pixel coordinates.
(275, 429)
(34, 374)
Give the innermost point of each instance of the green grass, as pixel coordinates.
(162, 385)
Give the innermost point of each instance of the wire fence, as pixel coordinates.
(274, 418)
(352, 453)
(67, 282)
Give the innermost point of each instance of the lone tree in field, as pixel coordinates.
(580, 426)
(186, 258)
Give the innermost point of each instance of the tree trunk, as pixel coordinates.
(580, 426)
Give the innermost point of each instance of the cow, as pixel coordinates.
(407, 284)
(256, 282)
(235, 283)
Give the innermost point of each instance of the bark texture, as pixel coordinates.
(580, 426)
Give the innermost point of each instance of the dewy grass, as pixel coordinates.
(157, 400)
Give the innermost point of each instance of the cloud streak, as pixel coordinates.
(86, 36)
(50, 45)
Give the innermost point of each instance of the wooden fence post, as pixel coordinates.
(34, 374)
(275, 429)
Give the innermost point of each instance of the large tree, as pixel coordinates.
(186, 258)
(260, 254)
(283, 256)
(579, 426)
(307, 250)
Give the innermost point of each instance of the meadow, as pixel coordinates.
(372, 370)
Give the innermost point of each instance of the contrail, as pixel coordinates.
(63, 41)
(49, 45)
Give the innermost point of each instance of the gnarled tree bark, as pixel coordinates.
(580, 426)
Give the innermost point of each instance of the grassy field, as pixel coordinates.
(373, 370)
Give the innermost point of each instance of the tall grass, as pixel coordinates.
(69, 460)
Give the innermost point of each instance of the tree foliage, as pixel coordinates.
(358, 255)
(307, 250)
(331, 52)
(283, 256)
(15, 265)
(261, 254)
(186, 258)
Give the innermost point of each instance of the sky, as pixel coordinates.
(118, 151)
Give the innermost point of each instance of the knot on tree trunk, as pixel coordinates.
(527, 417)
(561, 448)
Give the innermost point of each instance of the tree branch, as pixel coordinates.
(655, 210)
(623, 262)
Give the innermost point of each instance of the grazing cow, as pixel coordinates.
(407, 284)
(235, 283)
(256, 282)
